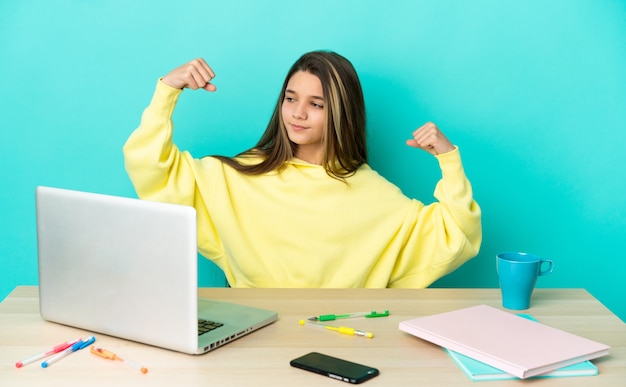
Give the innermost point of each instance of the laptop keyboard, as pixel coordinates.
(205, 326)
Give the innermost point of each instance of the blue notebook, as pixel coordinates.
(478, 371)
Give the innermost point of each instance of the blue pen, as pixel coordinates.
(76, 347)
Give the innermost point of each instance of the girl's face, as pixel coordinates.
(304, 117)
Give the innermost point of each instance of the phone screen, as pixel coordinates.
(335, 368)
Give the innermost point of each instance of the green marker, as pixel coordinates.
(331, 317)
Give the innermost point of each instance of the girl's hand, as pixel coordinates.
(429, 138)
(196, 74)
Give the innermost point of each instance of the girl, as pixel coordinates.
(302, 208)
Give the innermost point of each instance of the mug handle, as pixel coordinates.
(549, 269)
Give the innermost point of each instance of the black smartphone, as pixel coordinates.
(335, 368)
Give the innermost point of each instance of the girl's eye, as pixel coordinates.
(289, 99)
(317, 105)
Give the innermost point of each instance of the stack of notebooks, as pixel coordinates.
(478, 371)
(490, 344)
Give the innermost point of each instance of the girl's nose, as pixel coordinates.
(298, 112)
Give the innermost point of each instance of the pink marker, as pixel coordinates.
(56, 349)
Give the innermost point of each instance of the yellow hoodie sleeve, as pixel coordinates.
(154, 164)
(447, 233)
(161, 172)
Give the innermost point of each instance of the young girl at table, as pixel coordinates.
(302, 208)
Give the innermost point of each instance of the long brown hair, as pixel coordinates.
(345, 138)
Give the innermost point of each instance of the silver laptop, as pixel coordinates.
(128, 268)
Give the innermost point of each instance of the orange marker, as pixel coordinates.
(111, 356)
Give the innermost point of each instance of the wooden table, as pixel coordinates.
(262, 358)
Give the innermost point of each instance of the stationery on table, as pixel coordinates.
(75, 347)
(518, 346)
(344, 330)
(478, 371)
(56, 349)
(111, 356)
(331, 317)
(315, 322)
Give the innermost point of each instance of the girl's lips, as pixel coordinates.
(297, 127)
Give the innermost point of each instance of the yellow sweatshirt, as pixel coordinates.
(299, 227)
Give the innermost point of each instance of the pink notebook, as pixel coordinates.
(503, 340)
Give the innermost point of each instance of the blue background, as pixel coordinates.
(533, 92)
